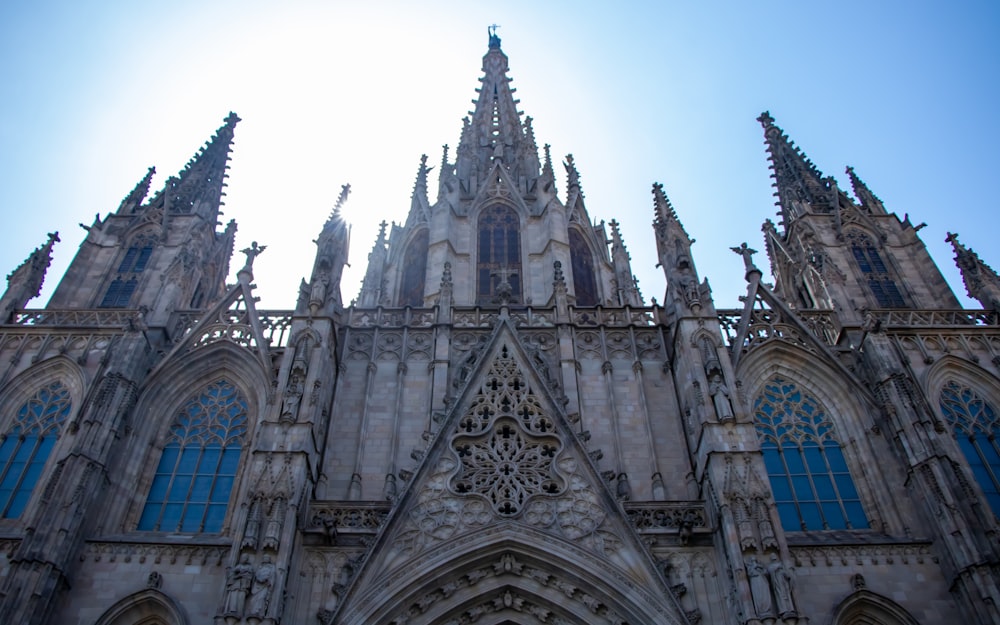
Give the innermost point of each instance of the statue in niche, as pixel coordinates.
(293, 397)
(272, 532)
(760, 588)
(252, 531)
(781, 582)
(764, 525)
(317, 295)
(238, 581)
(260, 589)
(720, 397)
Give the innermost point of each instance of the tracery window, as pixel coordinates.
(805, 462)
(875, 273)
(133, 263)
(499, 254)
(411, 288)
(26, 446)
(976, 428)
(584, 282)
(194, 479)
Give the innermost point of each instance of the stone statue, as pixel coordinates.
(253, 526)
(720, 397)
(781, 582)
(238, 580)
(293, 397)
(272, 531)
(760, 589)
(317, 296)
(260, 589)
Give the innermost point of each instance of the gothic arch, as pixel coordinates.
(864, 607)
(413, 271)
(128, 270)
(584, 264)
(161, 399)
(146, 607)
(875, 270)
(498, 247)
(500, 576)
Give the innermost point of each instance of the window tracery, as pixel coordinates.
(26, 446)
(499, 257)
(194, 478)
(976, 428)
(875, 273)
(584, 282)
(813, 489)
(127, 277)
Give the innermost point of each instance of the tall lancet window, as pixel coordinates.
(499, 254)
(127, 277)
(975, 426)
(805, 462)
(194, 479)
(584, 282)
(411, 287)
(874, 272)
(26, 445)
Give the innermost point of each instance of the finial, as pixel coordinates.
(765, 119)
(747, 253)
(494, 39)
(572, 175)
(345, 190)
(252, 252)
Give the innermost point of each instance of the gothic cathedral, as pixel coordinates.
(499, 429)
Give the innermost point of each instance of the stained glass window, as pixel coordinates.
(584, 283)
(499, 253)
(193, 482)
(976, 428)
(26, 446)
(411, 289)
(121, 288)
(805, 462)
(876, 275)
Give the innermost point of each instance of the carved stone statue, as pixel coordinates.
(781, 582)
(720, 397)
(260, 590)
(252, 532)
(293, 397)
(272, 531)
(238, 580)
(760, 589)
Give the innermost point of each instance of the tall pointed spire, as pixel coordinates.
(134, 199)
(981, 281)
(198, 187)
(419, 205)
(801, 187)
(869, 201)
(628, 292)
(25, 282)
(673, 246)
(371, 285)
(332, 247)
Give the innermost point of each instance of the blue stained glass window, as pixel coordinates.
(805, 463)
(411, 288)
(584, 280)
(195, 476)
(880, 281)
(976, 428)
(26, 446)
(499, 254)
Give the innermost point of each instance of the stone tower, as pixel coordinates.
(499, 429)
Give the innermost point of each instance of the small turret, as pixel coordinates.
(420, 208)
(673, 247)
(372, 284)
(134, 199)
(25, 282)
(981, 281)
(628, 293)
(332, 247)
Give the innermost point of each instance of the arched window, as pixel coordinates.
(193, 482)
(805, 462)
(875, 273)
(411, 287)
(976, 428)
(133, 263)
(584, 283)
(499, 254)
(26, 446)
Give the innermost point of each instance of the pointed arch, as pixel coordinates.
(132, 264)
(876, 273)
(498, 256)
(146, 607)
(584, 275)
(805, 461)
(413, 277)
(41, 402)
(864, 607)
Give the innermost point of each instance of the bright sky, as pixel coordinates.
(333, 92)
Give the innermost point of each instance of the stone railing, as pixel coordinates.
(111, 318)
(938, 318)
(476, 317)
(232, 323)
(331, 517)
(667, 516)
(766, 325)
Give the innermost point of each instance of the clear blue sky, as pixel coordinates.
(329, 93)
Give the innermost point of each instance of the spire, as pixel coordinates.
(801, 187)
(673, 246)
(981, 281)
(869, 201)
(25, 282)
(493, 132)
(628, 292)
(332, 247)
(419, 206)
(371, 286)
(198, 187)
(134, 199)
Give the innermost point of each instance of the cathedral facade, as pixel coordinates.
(499, 429)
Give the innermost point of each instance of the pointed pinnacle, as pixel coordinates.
(861, 191)
(140, 191)
(664, 211)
